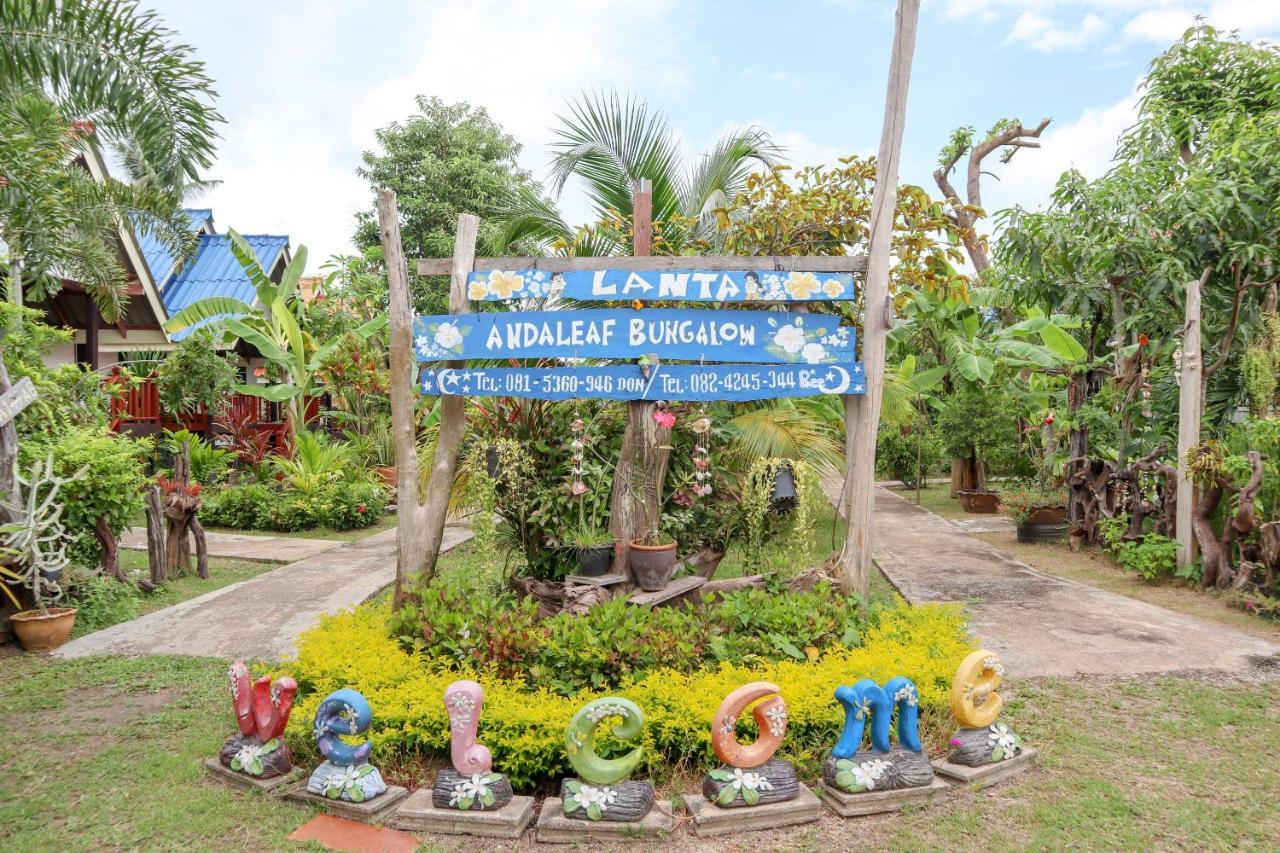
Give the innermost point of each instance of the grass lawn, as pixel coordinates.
(104, 753)
(937, 499)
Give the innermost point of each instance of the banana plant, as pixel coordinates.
(271, 326)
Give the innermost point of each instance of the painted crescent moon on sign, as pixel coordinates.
(840, 387)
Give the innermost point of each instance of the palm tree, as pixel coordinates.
(105, 62)
(56, 220)
(609, 143)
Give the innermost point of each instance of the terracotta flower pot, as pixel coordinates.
(40, 632)
(983, 502)
(652, 565)
(387, 473)
(1047, 514)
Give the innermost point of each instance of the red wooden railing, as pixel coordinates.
(138, 403)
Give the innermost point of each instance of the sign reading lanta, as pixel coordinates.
(677, 285)
(735, 382)
(766, 337)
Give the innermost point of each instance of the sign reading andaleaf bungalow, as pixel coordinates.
(728, 354)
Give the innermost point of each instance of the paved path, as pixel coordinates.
(262, 617)
(274, 549)
(1040, 624)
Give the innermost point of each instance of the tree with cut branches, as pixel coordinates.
(1006, 137)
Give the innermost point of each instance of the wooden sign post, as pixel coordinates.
(862, 415)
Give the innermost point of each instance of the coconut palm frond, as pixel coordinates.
(609, 143)
(780, 430)
(528, 216)
(722, 172)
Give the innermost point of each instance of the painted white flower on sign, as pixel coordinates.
(813, 353)
(790, 339)
(448, 337)
(422, 343)
(833, 288)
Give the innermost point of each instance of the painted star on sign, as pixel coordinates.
(857, 389)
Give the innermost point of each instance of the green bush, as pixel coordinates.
(257, 506)
(110, 487)
(1155, 557)
(899, 456)
(615, 641)
(101, 602)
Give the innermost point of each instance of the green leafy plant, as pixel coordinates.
(101, 602)
(209, 464)
(259, 506)
(1154, 557)
(317, 461)
(195, 374)
(761, 516)
(104, 474)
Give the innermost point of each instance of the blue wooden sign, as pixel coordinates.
(734, 382)
(674, 334)
(684, 285)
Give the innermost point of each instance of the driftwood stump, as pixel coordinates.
(180, 506)
(155, 538)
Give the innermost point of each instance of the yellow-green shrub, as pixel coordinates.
(523, 725)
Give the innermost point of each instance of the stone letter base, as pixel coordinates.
(874, 802)
(555, 828)
(419, 815)
(710, 819)
(987, 774)
(370, 811)
(244, 780)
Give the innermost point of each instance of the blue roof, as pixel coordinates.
(214, 271)
(157, 255)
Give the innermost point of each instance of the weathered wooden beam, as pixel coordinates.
(820, 263)
(420, 526)
(862, 414)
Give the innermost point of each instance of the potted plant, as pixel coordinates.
(593, 546)
(979, 500)
(653, 560)
(382, 448)
(35, 549)
(1039, 511)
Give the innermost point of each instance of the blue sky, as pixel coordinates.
(303, 85)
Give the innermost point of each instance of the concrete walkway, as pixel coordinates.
(1039, 624)
(273, 549)
(262, 617)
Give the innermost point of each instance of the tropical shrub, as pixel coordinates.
(259, 506)
(101, 602)
(524, 719)
(111, 486)
(908, 456)
(209, 464)
(616, 642)
(1155, 557)
(195, 374)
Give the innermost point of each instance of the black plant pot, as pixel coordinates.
(52, 576)
(1029, 532)
(491, 461)
(594, 561)
(783, 498)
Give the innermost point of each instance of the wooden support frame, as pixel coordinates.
(419, 525)
(862, 414)
(781, 263)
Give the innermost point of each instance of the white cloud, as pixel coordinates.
(1165, 24)
(1042, 34)
(287, 164)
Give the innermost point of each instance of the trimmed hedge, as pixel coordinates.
(524, 724)
(257, 506)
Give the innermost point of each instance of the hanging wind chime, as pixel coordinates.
(578, 486)
(702, 457)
